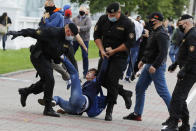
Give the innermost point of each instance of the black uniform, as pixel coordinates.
(51, 44)
(186, 77)
(113, 34)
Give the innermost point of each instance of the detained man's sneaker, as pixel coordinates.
(42, 102)
(23, 96)
(133, 116)
(127, 79)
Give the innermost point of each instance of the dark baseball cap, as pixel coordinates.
(185, 16)
(73, 28)
(113, 7)
(156, 15)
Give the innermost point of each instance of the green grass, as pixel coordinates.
(14, 60)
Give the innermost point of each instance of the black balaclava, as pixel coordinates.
(50, 9)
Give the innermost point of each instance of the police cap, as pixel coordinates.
(156, 15)
(186, 16)
(114, 7)
(73, 28)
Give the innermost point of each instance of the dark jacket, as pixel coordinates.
(113, 34)
(3, 21)
(157, 48)
(92, 88)
(50, 41)
(187, 52)
(177, 37)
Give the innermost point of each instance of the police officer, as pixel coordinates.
(114, 34)
(186, 76)
(51, 44)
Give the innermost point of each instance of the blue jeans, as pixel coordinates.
(84, 55)
(145, 80)
(76, 100)
(4, 38)
(194, 126)
(173, 52)
(134, 54)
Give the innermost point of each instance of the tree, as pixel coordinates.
(169, 8)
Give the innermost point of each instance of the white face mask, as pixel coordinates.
(70, 38)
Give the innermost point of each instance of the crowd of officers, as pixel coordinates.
(115, 34)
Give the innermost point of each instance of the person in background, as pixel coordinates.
(4, 21)
(67, 17)
(83, 23)
(154, 58)
(175, 43)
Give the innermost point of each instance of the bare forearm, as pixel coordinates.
(99, 44)
(122, 47)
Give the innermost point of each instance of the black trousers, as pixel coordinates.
(44, 69)
(111, 79)
(178, 105)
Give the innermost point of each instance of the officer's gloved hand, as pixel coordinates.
(181, 73)
(14, 34)
(172, 67)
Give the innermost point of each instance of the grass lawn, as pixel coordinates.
(14, 60)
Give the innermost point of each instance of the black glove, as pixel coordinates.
(14, 33)
(181, 73)
(172, 67)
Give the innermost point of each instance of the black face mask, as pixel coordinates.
(151, 24)
(181, 28)
(50, 9)
(81, 13)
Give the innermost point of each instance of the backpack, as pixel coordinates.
(99, 104)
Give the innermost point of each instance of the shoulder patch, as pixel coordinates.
(38, 32)
(191, 48)
(96, 26)
(131, 36)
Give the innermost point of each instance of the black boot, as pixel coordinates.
(109, 110)
(172, 126)
(23, 96)
(184, 127)
(48, 110)
(126, 96)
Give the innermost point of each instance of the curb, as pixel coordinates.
(30, 70)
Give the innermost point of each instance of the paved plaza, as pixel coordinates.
(13, 117)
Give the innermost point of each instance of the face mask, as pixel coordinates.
(81, 13)
(69, 38)
(181, 28)
(151, 24)
(112, 19)
(50, 9)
